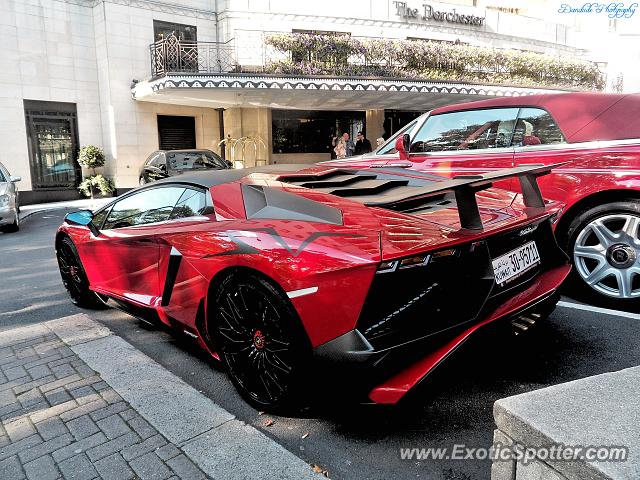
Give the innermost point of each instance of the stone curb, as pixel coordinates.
(221, 445)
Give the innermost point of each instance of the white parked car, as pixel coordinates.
(9, 207)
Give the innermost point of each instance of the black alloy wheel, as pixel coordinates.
(260, 340)
(74, 277)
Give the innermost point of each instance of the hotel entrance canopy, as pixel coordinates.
(313, 93)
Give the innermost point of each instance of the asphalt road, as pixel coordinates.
(350, 441)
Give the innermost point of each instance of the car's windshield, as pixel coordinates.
(194, 160)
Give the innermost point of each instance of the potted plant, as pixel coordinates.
(92, 157)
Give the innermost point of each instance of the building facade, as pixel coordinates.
(133, 76)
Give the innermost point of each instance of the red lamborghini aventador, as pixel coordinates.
(280, 269)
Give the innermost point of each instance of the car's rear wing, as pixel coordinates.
(402, 192)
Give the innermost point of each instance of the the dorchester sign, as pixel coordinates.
(428, 12)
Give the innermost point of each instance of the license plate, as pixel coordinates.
(511, 265)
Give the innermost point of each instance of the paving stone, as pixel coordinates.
(168, 451)
(82, 410)
(39, 371)
(23, 387)
(113, 426)
(150, 467)
(110, 396)
(149, 445)
(142, 427)
(112, 446)
(41, 360)
(19, 446)
(83, 382)
(53, 384)
(10, 468)
(128, 414)
(15, 372)
(81, 392)
(44, 448)
(82, 427)
(19, 429)
(84, 370)
(185, 468)
(78, 468)
(43, 468)
(114, 467)
(102, 385)
(58, 396)
(29, 398)
(51, 428)
(12, 407)
(108, 411)
(79, 446)
(53, 411)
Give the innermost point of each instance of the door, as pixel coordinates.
(123, 260)
(465, 143)
(53, 146)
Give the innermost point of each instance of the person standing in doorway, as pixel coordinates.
(348, 145)
(362, 145)
(340, 148)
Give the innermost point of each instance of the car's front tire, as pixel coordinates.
(259, 338)
(603, 243)
(74, 277)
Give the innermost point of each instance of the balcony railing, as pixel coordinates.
(304, 54)
(171, 55)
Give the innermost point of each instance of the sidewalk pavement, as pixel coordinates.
(78, 402)
(85, 203)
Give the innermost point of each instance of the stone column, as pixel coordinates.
(375, 121)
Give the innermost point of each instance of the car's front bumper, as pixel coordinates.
(7, 215)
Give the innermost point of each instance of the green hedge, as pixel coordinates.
(342, 55)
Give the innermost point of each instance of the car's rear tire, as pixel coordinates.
(603, 243)
(74, 277)
(14, 227)
(260, 341)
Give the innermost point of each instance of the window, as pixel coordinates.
(535, 127)
(198, 160)
(467, 130)
(299, 131)
(2, 179)
(185, 33)
(53, 144)
(191, 203)
(148, 206)
(99, 217)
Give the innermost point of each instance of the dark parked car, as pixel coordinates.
(167, 163)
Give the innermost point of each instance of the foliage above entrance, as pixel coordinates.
(342, 55)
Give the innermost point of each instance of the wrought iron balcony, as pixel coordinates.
(171, 55)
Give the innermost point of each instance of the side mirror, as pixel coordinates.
(14, 179)
(83, 218)
(402, 146)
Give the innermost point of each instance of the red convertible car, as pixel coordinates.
(596, 134)
(372, 274)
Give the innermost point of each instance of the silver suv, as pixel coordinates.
(9, 208)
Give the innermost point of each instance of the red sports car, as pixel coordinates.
(596, 134)
(277, 270)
